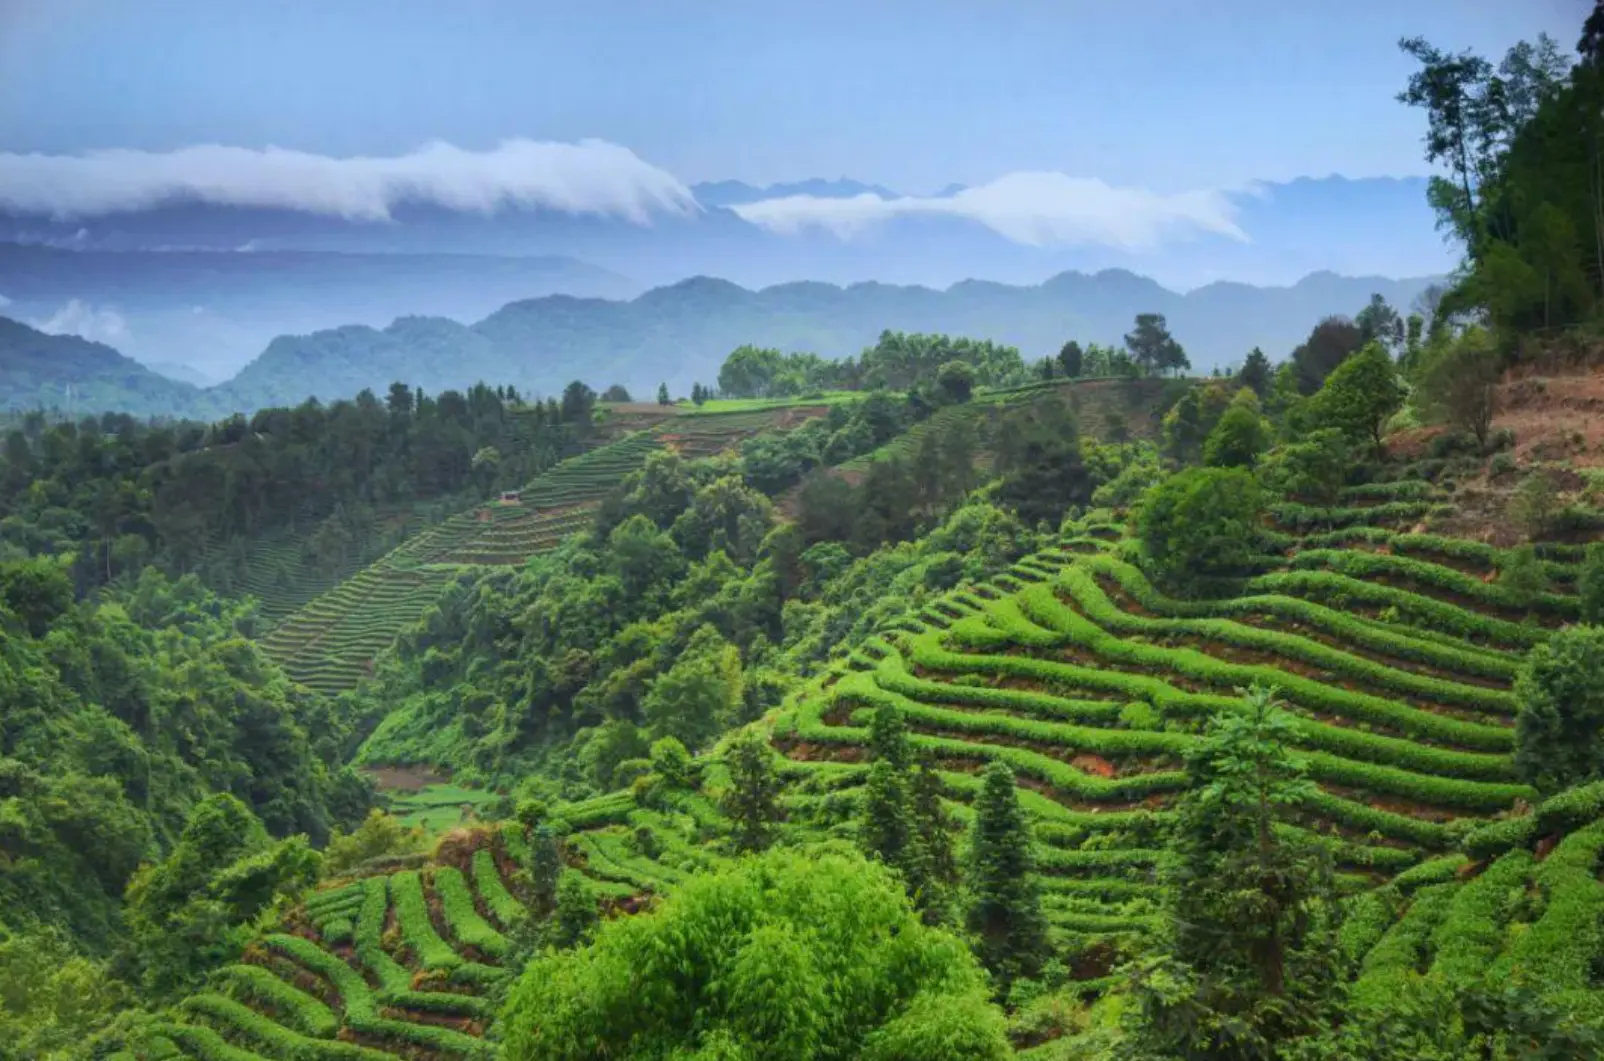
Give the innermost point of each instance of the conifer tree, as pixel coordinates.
(932, 866)
(545, 866)
(1005, 905)
(662, 395)
(888, 739)
(751, 798)
(886, 830)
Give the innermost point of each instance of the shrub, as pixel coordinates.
(1534, 504)
(1522, 576)
(1200, 523)
(1560, 727)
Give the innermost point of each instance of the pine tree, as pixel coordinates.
(932, 868)
(1005, 904)
(662, 395)
(1250, 966)
(545, 866)
(886, 829)
(754, 786)
(888, 739)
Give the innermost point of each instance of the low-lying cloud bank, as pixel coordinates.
(590, 177)
(1035, 209)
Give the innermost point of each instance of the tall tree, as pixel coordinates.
(1255, 373)
(1005, 910)
(1559, 730)
(1249, 970)
(1153, 348)
(752, 800)
(1071, 359)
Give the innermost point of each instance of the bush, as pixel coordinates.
(1560, 728)
(1200, 523)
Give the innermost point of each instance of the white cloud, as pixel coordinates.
(590, 177)
(4, 302)
(79, 318)
(1036, 209)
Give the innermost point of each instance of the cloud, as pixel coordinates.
(4, 302)
(1035, 209)
(80, 318)
(590, 177)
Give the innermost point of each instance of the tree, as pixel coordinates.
(1250, 969)
(699, 694)
(1005, 910)
(1152, 346)
(750, 372)
(578, 402)
(1071, 359)
(545, 867)
(616, 393)
(1457, 379)
(1329, 344)
(1522, 575)
(1239, 437)
(1379, 322)
(932, 870)
(1361, 396)
(1534, 503)
(886, 830)
(1200, 523)
(1255, 373)
(662, 395)
(754, 789)
(1559, 726)
(1312, 469)
(1590, 585)
(1039, 462)
(791, 956)
(1450, 89)
(955, 381)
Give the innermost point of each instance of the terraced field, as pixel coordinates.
(331, 642)
(702, 434)
(1395, 661)
(367, 970)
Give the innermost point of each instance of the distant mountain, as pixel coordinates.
(681, 333)
(73, 375)
(181, 373)
(213, 310)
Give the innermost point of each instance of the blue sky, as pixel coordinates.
(1164, 96)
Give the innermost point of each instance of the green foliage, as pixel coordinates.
(1522, 576)
(1560, 728)
(51, 998)
(1199, 523)
(1590, 585)
(751, 799)
(467, 927)
(1249, 970)
(1004, 911)
(1456, 381)
(1238, 439)
(380, 835)
(1360, 396)
(794, 955)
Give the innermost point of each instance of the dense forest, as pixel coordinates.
(933, 703)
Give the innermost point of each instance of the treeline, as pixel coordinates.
(122, 493)
(902, 362)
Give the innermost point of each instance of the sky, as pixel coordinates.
(1163, 97)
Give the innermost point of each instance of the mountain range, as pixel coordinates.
(680, 334)
(208, 286)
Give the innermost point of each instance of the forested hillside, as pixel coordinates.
(933, 704)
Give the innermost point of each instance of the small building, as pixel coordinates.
(511, 497)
